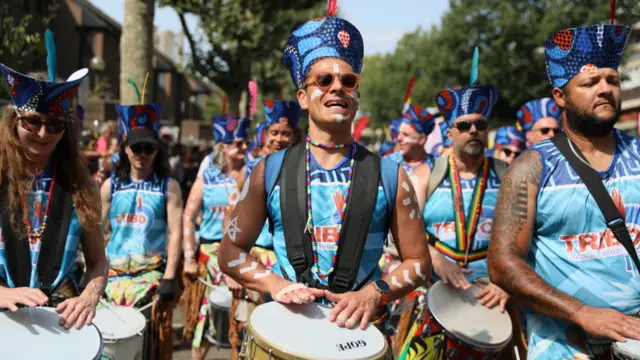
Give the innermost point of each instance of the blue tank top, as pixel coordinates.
(265, 239)
(409, 167)
(138, 216)
(573, 250)
(38, 201)
(328, 187)
(438, 216)
(215, 201)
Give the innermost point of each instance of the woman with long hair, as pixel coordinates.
(46, 191)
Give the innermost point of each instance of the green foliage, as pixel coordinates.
(510, 35)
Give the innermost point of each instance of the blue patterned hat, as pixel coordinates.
(509, 135)
(326, 37)
(572, 51)
(421, 119)
(456, 102)
(394, 127)
(275, 110)
(138, 123)
(534, 110)
(227, 128)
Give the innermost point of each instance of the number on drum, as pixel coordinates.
(351, 345)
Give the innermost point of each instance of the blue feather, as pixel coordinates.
(52, 62)
(474, 66)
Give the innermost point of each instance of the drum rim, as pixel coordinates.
(461, 338)
(617, 350)
(286, 355)
(111, 340)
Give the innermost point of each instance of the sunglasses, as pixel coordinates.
(324, 81)
(143, 148)
(34, 124)
(481, 125)
(508, 152)
(546, 130)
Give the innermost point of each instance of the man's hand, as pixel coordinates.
(354, 307)
(491, 295)
(287, 292)
(450, 273)
(607, 323)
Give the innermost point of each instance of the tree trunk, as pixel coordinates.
(136, 50)
(233, 103)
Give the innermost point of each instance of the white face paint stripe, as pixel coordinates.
(406, 277)
(394, 282)
(406, 202)
(316, 94)
(262, 275)
(232, 228)
(233, 151)
(241, 259)
(354, 95)
(191, 206)
(245, 189)
(416, 266)
(253, 266)
(406, 186)
(336, 68)
(412, 214)
(339, 118)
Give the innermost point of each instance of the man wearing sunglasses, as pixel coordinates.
(142, 205)
(306, 191)
(539, 119)
(551, 247)
(509, 143)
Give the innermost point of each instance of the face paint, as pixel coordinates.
(336, 68)
(406, 202)
(187, 217)
(262, 275)
(241, 259)
(191, 206)
(232, 229)
(339, 118)
(406, 186)
(416, 266)
(245, 190)
(316, 94)
(394, 282)
(354, 95)
(253, 266)
(409, 140)
(406, 277)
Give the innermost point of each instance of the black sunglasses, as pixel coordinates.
(508, 152)
(546, 130)
(463, 126)
(34, 123)
(143, 148)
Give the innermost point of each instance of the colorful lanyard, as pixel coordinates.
(465, 235)
(35, 235)
(310, 227)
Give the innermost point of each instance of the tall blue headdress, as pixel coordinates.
(138, 116)
(509, 135)
(276, 111)
(260, 135)
(421, 119)
(572, 51)
(326, 37)
(534, 110)
(227, 128)
(30, 94)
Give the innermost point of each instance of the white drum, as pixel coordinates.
(122, 328)
(35, 333)
(220, 296)
(220, 300)
(277, 331)
(629, 350)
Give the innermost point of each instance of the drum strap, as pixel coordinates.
(592, 181)
(358, 217)
(53, 241)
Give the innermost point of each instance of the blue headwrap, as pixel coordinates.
(421, 119)
(509, 135)
(275, 110)
(137, 117)
(386, 148)
(260, 134)
(572, 51)
(227, 129)
(456, 102)
(534, 110)
(326, 37)
(394, 127)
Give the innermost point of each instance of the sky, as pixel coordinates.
(381, 22)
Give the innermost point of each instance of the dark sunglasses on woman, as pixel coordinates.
(143, 148)
(463, 126)
(33, 123)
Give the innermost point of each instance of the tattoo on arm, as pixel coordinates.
(513, 227)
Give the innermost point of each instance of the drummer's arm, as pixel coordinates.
(241, 232)
(513, 225)
(174, 223)
(105, 195)
(408, 233)
(194, 203)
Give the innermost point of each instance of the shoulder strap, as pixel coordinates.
(359, 212)
(592, 181)
(272, 167)
(389, 176)
(500, 167)
(438, 173)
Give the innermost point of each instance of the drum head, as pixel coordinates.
(305, 332)
(110, 322)
(461, 315)
(627, 350)
(34, 333)
(220, 296)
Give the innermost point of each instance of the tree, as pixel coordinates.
(136, 48)
(241, 40)
(510, 35)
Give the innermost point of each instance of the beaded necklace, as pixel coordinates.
(310, 228)
(35, 235)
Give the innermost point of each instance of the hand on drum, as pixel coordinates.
(353, 308)
(10, 298)
(232, 284)
(296, 293)
(450, 273)
(607, 323)
(79, 310)
(491, 295)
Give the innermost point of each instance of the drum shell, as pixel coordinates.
(124, 349)
(617, 353)
(221, 321)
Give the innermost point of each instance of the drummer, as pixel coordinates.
(539, 119)
(210, 194)
(415, 126)
(142, 206)
(389, 146)
(550, 247)
(326, 76)
(508, 144)
(39, 159)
